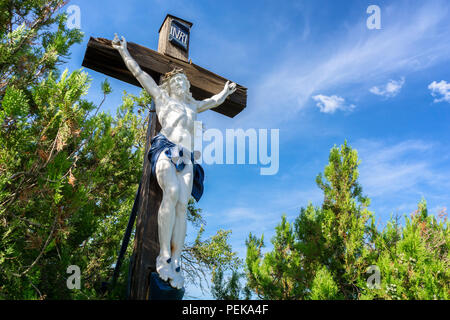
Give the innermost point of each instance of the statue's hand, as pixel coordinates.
(230, 87)
(120, 45)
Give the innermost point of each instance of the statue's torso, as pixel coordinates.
(177, 121)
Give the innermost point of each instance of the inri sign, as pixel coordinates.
(179, 34)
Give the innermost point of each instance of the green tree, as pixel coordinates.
(29, 49)
(322, 254)
(327, 251)
(413, 260)
(68, 172)
(204, 256)
(230, 288)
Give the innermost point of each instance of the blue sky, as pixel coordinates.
(316, 72)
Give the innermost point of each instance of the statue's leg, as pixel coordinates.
(168, 181)
(185, 179)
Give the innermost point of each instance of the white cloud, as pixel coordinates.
(391, 89)
(442, 89)
(329, 104)
(396, 176)
(415, 39)
(394, 169)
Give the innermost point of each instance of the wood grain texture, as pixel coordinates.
(165, 46)
(102, 57)
(146, 243)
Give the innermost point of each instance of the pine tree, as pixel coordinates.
(230, 288)
(330, 251)
(320, 255)
(413, 260)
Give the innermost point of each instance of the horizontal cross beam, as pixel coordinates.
(102, 57)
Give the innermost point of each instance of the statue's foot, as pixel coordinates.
(164, 268)
(178, 280)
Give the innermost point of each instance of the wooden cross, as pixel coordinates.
(173, 52)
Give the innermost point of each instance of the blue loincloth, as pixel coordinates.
(160, 143)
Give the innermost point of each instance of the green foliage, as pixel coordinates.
(68, 181)
(326, 252)
(205, 256)
(230, 289)
(68, 173)
(414, 260)
(30, 47)
(276, 273)
(323, 286)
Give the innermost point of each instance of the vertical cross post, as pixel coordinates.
(173, 41)
(146, 243)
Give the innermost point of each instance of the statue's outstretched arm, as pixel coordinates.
(217, 99)
(144, 79)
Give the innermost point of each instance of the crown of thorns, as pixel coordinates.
(170, 74)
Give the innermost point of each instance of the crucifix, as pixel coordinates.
(170, 174)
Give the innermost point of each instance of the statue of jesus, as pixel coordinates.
(172, 158)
